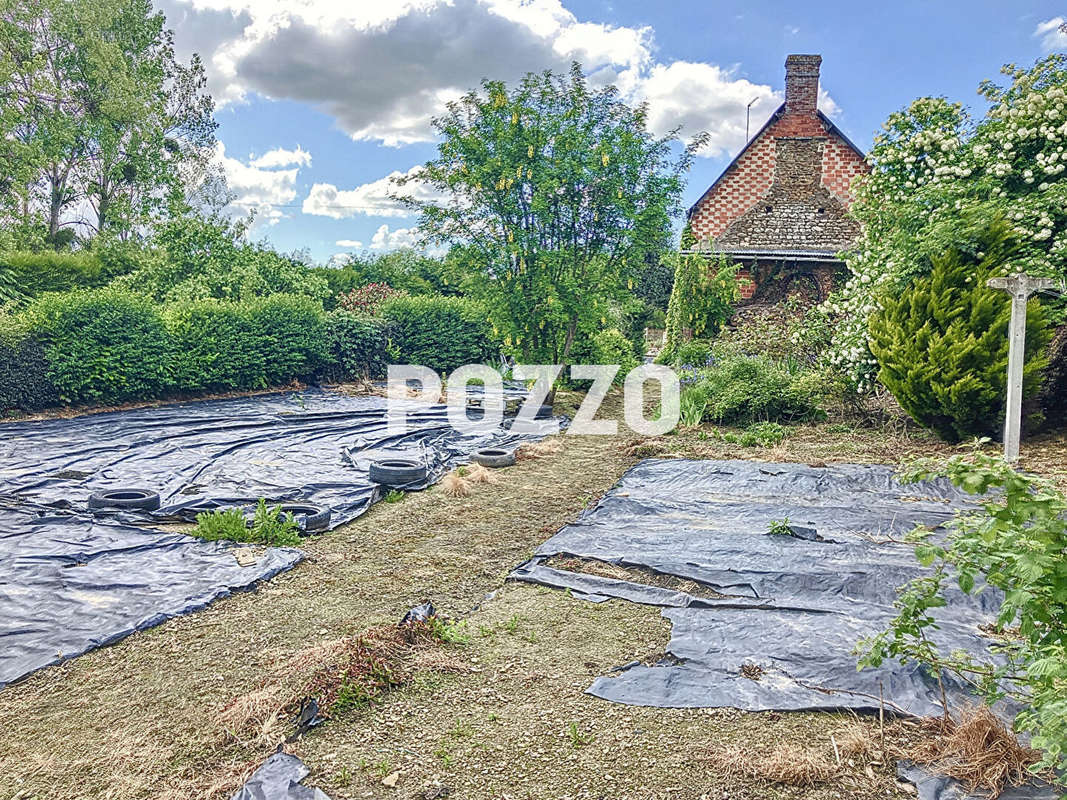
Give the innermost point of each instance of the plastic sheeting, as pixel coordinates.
(312, 447)
(939, 787)
(70, 582)
(792, 609)
(280, 778)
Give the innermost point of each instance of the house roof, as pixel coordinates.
(784, 254)
(830, 126)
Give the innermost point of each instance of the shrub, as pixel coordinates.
(24, 381)
(216, 347)
(355, 347)
(942, 344)
(695, 352)
(758, 434)
(269, 526)
(102, 345)
(742, 389)
(368, 299)
(438, 332)
(701, 301)
(1013, 542)
(291, 334)
(36, 273)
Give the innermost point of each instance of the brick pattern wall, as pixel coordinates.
(745, 186)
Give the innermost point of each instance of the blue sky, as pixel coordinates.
(320, 101)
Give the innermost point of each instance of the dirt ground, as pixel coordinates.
(501, 715)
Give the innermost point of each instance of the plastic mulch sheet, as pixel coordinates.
(70, 582)
(777, 617)
(280, 778)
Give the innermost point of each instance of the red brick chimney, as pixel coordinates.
(802, 84)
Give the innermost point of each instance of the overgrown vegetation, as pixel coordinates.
(702, 299)
(1014, 543)
(269, 526)
(942, 344)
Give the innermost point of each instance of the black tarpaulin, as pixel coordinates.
(792, 609)
(70, 582)
(280, 778)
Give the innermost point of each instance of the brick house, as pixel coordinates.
(780, 207)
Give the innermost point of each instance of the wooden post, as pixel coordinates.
(1020, 287)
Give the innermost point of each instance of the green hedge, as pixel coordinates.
(441, 333)
(356, 346)
(215, 347)
(24, 381)
(34, 274)
(103, 345)
(109, 346)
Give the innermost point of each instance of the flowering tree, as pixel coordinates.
(556, 194)
(938, 178)
(368, 300)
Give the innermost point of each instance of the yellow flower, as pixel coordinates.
(604, 159)
(529, 151)
(630, 283)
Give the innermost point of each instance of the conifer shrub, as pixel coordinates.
(942, 343)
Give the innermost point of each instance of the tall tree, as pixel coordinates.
(556, 193)
(103, 125)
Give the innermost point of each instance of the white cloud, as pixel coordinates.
(1051, 34)
(348, 243)
(280, 157)
(256, 188)
(385, 239)
(374, 199)
(383, 70)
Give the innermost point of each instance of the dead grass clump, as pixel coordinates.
(455, 484)
(339, 674)
(786, 764)
(646, 449)
(532, 450)
(476, 473)
(857, 740)
(978, 750)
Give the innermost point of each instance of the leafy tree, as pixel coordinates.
(95, 108)
(701, 300)
(942, 344)
(557, 195)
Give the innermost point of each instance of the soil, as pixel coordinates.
(502, 715)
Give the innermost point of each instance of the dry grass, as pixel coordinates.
(476, 473)
(648, 448)
(787, 764)
(454, 484)
(977, 749)
(534, 450)
(338, 674)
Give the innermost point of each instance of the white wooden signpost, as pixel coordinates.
(1020, 287)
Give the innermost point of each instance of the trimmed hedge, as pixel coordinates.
(355, 347)
(441, 333)
(109, 346)
(103, 346)
(24, 381)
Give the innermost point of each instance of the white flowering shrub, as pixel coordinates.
(937, 178)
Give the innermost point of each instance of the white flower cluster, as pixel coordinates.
(934, 173)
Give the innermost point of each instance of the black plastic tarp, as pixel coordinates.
(70, 582)
(280, 778)
(783, 633)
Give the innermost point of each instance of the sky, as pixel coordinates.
(319, 102)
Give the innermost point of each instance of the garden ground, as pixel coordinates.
(502, 715)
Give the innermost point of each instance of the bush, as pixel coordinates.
(441, 333)
(368, 299)
(36, 273)
(24, 381)
(1013, 542)
(102, 345)
(739, 389)
(216, 347)
(695, 352)
(291, 334)
(701, 301)
(942, 344)
(355, 347)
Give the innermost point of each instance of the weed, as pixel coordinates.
(269, 526)
(461, 730)
(394, 496)
(449, 632)
(780, 527)
(442, 752)
(384, 767)
(343, 777)
(758, 434)
(512, 625)
(578, 739)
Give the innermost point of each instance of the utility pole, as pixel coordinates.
(1020, 287)
(748, 116)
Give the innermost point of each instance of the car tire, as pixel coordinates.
(494, 457)
(310, 519)
(397, 472)
(124, 499)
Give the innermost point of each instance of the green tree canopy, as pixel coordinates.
(555, 193)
